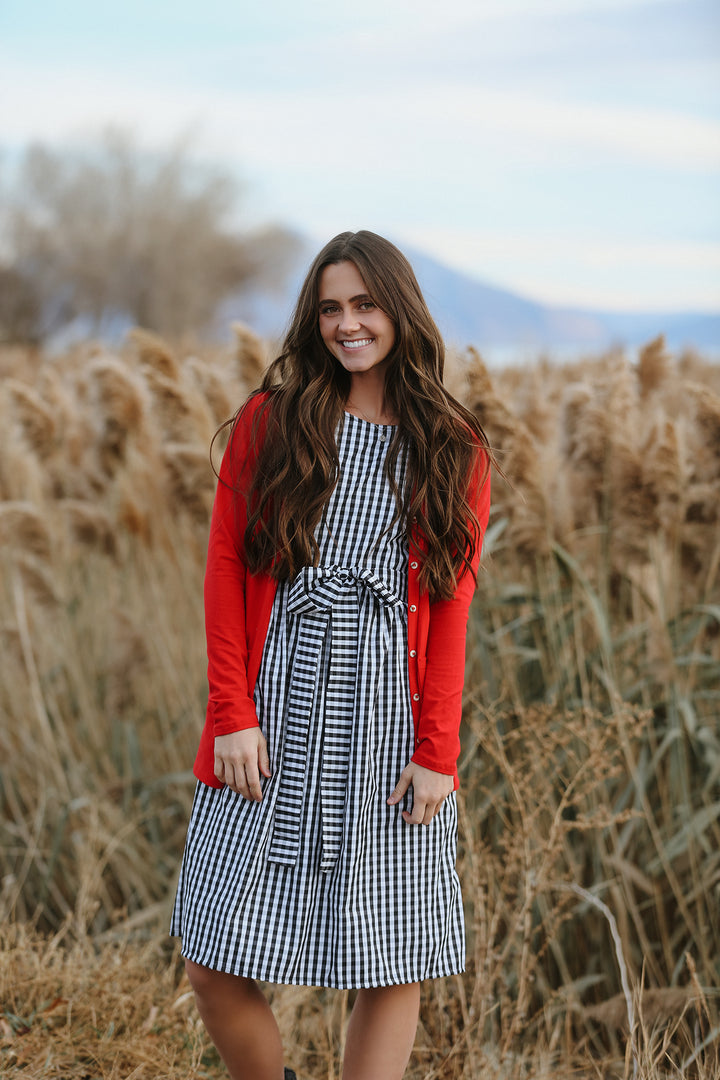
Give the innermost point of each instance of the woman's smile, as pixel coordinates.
(356, 343)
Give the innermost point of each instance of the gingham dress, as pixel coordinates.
(322, 883)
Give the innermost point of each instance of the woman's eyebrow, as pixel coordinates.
(353, 299)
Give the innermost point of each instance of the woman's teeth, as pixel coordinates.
(356, 344)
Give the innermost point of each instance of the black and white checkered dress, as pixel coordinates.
(322, 883)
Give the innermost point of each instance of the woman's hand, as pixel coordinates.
(240, 757)
(430, 790)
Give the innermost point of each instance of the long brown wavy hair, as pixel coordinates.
(297, 463)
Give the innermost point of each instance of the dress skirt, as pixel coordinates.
(322, 883)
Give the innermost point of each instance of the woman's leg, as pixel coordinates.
(240, 1023)
(381, 1032)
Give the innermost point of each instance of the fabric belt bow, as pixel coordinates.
(328, 599)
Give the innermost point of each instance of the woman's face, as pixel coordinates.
(358, 334)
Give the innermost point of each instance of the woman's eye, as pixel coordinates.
(328, 310)
(366, 305)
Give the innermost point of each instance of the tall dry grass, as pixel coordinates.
(590, 799)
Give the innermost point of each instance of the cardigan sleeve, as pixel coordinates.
(438, 730)
(230, 702)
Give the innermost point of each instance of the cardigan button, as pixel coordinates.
(413, 566)
(416, 697)
(413, 652)
(413, 607)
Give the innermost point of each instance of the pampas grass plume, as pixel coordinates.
(36, 418)
(180, 410)
(154, 353)
(707, 415)
(192, 480)
(23, 527)
(214, 388)
(496, 418)
(38, 580)
(119, 394)
(89, 525)
(653, 365)
(663, 473)
(250, 355)
(585, 430)
(633, 505)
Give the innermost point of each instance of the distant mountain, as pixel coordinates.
(472, 312)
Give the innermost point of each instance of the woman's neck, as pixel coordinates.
(367, 400)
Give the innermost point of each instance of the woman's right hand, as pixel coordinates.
(240, 757)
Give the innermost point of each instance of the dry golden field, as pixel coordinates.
(590, 799)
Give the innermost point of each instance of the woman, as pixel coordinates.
(344, 546)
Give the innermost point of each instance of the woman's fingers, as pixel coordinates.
(250, 788)
(401, 787)
(240, 757)
(264, 759)
(430, 789)
(422, 813)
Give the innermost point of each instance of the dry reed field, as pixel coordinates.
(590, 798)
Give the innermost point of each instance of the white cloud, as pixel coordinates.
(454, 12)
(673, 139)
(273, 129)
(585, 270)
(470, 246)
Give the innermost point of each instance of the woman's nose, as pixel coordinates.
(349, 322)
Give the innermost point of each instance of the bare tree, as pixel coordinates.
(111, 230)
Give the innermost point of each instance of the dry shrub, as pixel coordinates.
(119, 1010)
(547, 825)
(74, 1011)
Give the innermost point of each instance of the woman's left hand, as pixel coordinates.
(430, 790)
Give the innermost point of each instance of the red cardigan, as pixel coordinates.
(238, 606)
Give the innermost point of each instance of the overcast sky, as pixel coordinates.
(566, 149)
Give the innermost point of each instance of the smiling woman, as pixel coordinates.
(343, 554)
